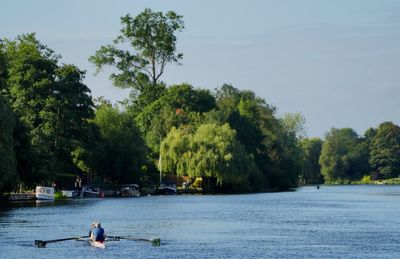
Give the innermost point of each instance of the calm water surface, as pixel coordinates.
(332, 222)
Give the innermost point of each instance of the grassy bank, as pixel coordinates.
(367, 180)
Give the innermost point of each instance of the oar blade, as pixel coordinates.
(155, 242)
(40, 243)
(113, 238)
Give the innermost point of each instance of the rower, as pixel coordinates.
(97, 233)
(92, 226)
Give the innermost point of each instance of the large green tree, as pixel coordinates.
(343, 156)
(52, 105)
(68, 112)
(152, 40)
(263, 135)
(121, 154)
(385, 150)
(31, 68)
(211, 151)
(179, 105)
(311, 170)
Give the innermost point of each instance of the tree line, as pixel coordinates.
(346, 156)
(52, 130)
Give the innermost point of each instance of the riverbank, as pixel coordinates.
(367, 180)
(18, 196)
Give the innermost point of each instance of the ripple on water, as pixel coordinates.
(333, 222)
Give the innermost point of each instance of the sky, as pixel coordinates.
(335, 62)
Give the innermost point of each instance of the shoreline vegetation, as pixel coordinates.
(54, 133)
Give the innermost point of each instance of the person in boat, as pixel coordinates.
(92, 226)
(97, 233)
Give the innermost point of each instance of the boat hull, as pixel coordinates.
(101, 245)
(166, 191)
(44, 197)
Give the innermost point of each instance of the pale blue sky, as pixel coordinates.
(336, 62)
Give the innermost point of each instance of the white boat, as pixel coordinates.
(70, 193)
(97, 244)
(44, 193)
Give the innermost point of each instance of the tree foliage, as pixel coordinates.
(385, 150)
(295, 124)
(179, 105)
(52, 106)
(151, 37)
(8, 173)
(49, 128)
(210, 151)
(311, 171)
(263, 135)
(121, 153)
(343, 157)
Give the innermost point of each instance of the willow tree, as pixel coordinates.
(152, 45)
(211, 151)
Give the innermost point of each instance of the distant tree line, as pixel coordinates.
(346, 156)
(53, 131)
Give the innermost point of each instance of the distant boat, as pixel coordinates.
(70, 193)
(44, 193)
(130, 190)
(166, 187)
(90, 192)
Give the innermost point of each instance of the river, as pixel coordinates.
(332, 222)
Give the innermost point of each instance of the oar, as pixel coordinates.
(42, 243)
(153, 242)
